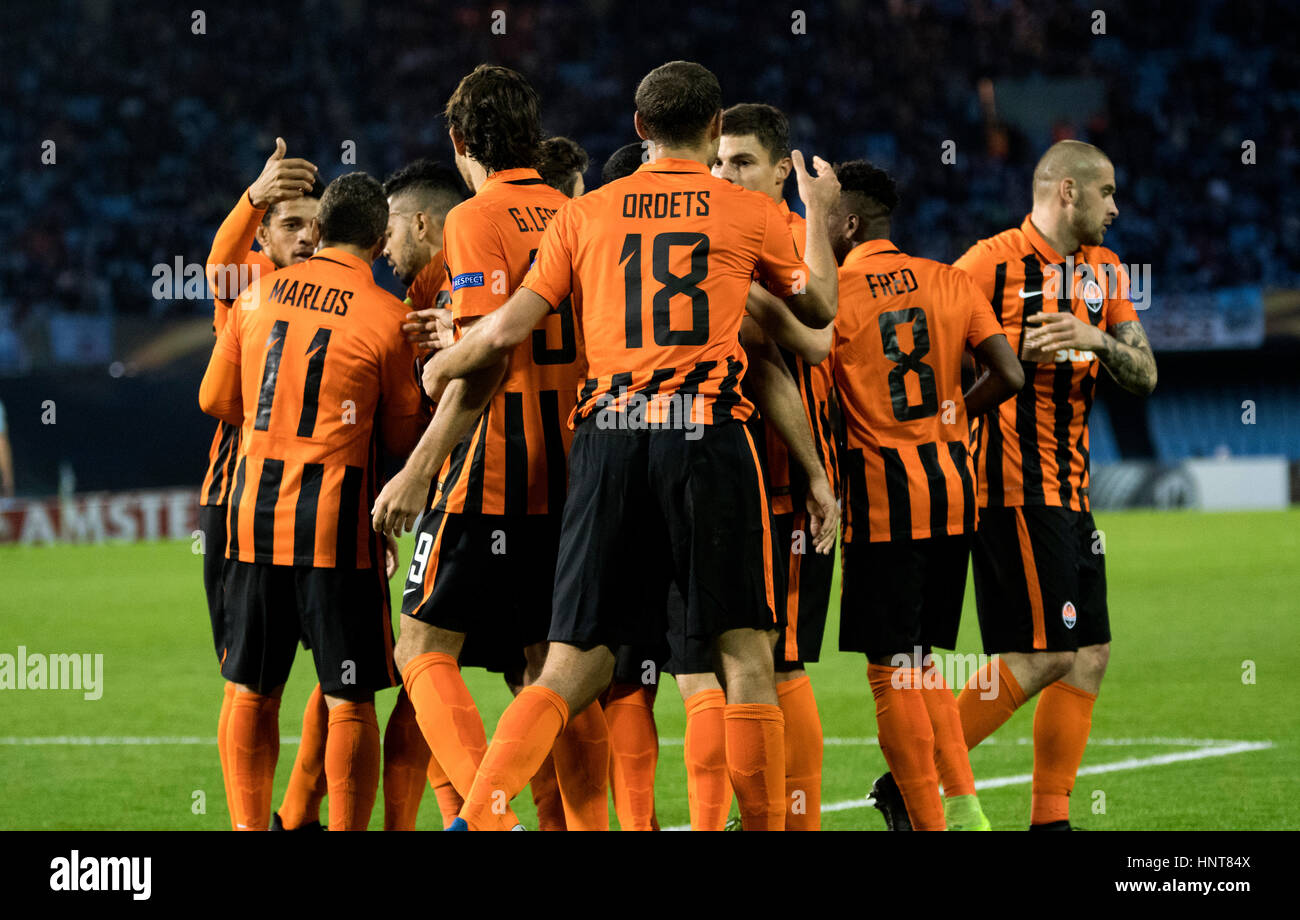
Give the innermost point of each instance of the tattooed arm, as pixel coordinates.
(1126, 354)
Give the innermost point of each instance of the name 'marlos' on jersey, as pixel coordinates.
(900, 332)
(515, 459)
(314, 362)
(1034, 451)
(659, 264)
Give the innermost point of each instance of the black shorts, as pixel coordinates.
(807, 592)
(344, 613)
(900, 595)
(1040, 580)
(212, 523)
(487, 576)
(687, 654)
(640, 664)
(646, 508)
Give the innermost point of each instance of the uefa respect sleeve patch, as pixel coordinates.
(469, 279)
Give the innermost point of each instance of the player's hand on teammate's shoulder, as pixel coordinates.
(823, 516)
(821, 190)
(429, 329)
(1050, 332)
(400, 504)
(281, 179)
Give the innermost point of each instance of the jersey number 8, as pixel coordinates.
(909, 361)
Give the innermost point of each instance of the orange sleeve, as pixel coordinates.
(476, 260)
(980, 266)
(779, 266)
(970, 301)
(403, 412)
(220, 394)
(1119, 305)
(551, 275)
(233, 245)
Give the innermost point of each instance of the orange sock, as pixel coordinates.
(307, 783)
(449, 801)
(1062, 721)
(708, 783)
(546, 797)
(803, 754)
(755, 734)
(252, 748)
(581, 754)
(524, 736)
(981, 717)
(634, 754)
(223, 720)
(907, 741)
(951, 759)
(449, 720)
(406, 761)
(352, 765)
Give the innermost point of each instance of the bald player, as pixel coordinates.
(1040, 587)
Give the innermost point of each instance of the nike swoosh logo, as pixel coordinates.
(1023, 293)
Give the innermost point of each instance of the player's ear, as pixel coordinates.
(315, 231)
(1068, 191)
(783, 168)
(640, 126)
(263, 235)
(457, 141)
(715, 126)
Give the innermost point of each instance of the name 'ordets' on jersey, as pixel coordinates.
(1037, 453)
(815, 382)
(514, 461)
(902, 326)
(660, 264)
(313, 359)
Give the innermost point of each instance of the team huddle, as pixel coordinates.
(628, 427)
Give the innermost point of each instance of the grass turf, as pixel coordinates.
(1197, 600)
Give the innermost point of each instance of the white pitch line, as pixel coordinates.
(1129, 763)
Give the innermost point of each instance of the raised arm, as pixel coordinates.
(773, 390)
(780, 324)
(815, 305)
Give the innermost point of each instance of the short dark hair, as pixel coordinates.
(677, 100)
(765, 122)
(353, 210)
(438, 188)
(864, 183)
(623, 162)
(496, 111)
(317, 189)
(558, 160)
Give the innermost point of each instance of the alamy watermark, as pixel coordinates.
(951, 670)
(24, 671)
(635, 411)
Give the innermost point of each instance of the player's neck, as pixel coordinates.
(1055, 230)
(702, 154)
(365, 254)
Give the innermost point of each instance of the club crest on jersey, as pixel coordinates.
(1068, 615)
(1092, 295)
(468, 279)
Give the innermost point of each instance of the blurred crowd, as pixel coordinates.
(157, 125)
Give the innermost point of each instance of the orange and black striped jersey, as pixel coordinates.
(231, 264)
(431, 287)
(902, 327)
(659, 264)
(815, 382)
(1036, 450)
(515, 459)
(313, 363)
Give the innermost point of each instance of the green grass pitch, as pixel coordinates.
(1206, 644)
